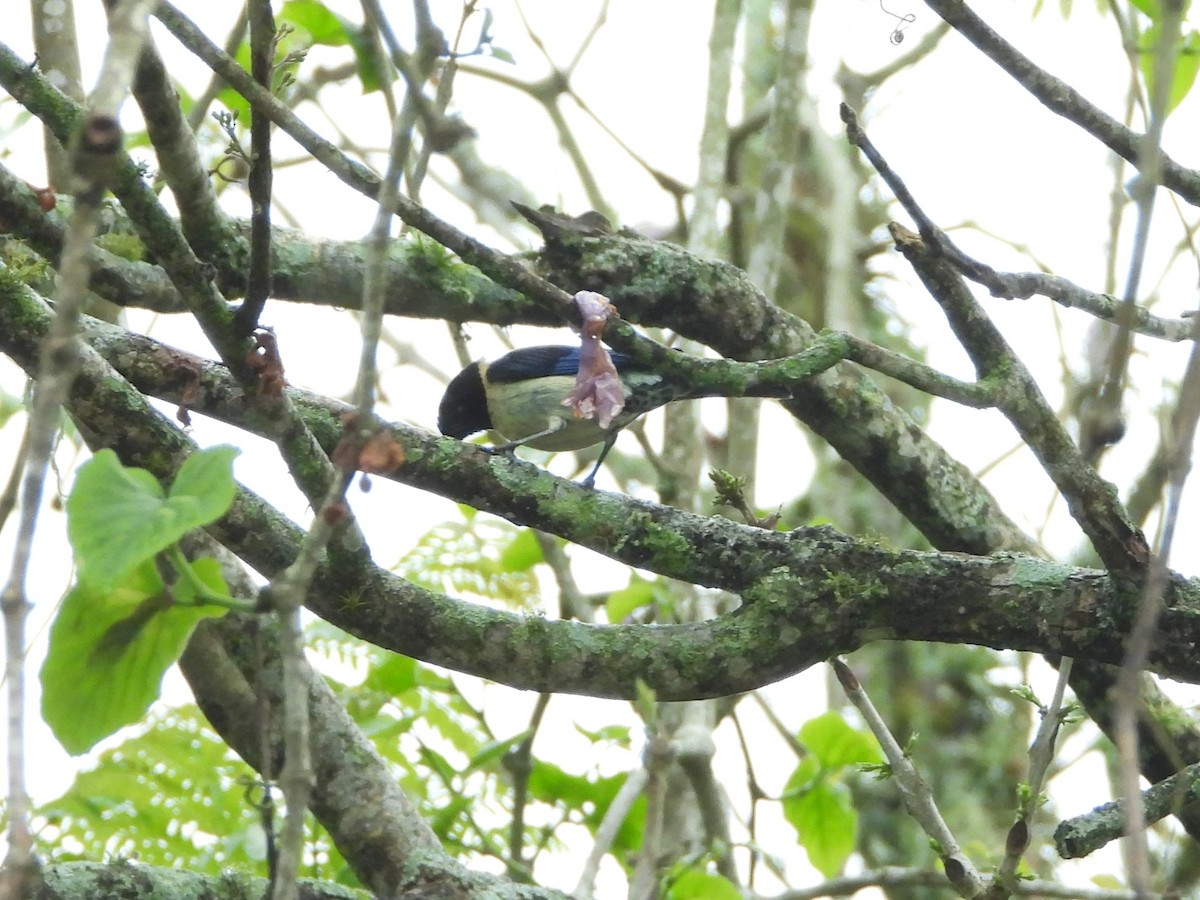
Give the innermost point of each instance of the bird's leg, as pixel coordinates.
(590, 480)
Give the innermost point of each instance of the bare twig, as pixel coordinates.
(937, 263)
(1127, 702)
(445, 89)
(918, 797)
(1144, 191)
(262, 68)
(694, 751)
(1013, 285)
(56, 42)
(94, 154)
(855, 85)
(658, 758)
(1041, 755)
(519, 764)
(606, 832)
(548, 90)
(757, 794)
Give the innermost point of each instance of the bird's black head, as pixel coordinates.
(463, 410)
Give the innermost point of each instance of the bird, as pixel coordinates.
(533, 397)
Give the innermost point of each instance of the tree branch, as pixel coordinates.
(806, 594)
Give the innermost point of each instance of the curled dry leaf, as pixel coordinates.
(265, 361)
(381, 454)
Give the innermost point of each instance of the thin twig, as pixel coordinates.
(606, 832)
(94, 154)
(918, 797)
(1128, 694)
(445, 89)
(262, 68)
(1041, 755)
(519, 764)
(658, 758)
(1128, 690)
(757, 794)
(938, 263)
(1012, 285)
(694, 751)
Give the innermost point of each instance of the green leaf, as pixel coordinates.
(494, 750)
(835, 744)
(523, 552)
(393, 675)
(109, 650)
(448, 816)
(373, 72)
(635, 595)
(204, 483)
(234, 102)
(1187, 63)
(804, 776)
(825, 823)
(617, 734)
(439, 764)
(10, 405)
(702, 886)
(590, 794)
(119, 517)
(464, 558)
(119, 243)
(323, 25)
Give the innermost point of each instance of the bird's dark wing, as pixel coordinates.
(541, 362)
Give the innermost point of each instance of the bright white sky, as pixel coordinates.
(971, 145)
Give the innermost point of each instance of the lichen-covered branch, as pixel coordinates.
(806, 594)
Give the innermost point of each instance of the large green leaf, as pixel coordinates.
(109, 650)
(835, 744)
(592, 795)
(825, 823)
(119, 517)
